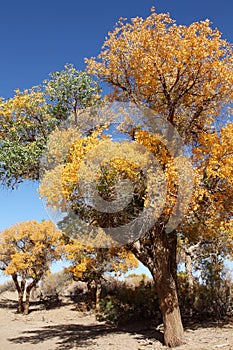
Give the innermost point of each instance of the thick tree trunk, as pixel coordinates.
(172, 242)
(168, 301)
(157, 251)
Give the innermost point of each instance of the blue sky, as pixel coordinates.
(38, 37)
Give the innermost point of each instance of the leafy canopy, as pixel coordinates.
(28, 248)
(184, 73)
(28, 118)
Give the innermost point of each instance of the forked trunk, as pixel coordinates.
(157, 251)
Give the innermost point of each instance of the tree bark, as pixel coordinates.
(98, 294)
(157, 251)
(189, 271)
(27, 298)
(91, 287)
(190, 255)
(26, 303)
(20, 289)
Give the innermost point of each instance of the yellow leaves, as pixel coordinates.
(176, 70)
(27, 248)
(81, 147)
(88, 260)
(59, 144)
(212, 197)
(16, 108)
(51, 188)
(215, 152)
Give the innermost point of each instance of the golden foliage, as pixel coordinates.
(28, 248)
(23, 110)
(184, 73)
(90, 262)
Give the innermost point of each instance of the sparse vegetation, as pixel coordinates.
(8, 286)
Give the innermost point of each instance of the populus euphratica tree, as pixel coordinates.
(26, 251)
(90, 263)
(92, 254)
(185, 75)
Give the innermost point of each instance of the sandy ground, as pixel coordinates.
(66, 328)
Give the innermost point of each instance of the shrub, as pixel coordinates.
(8, 286)
(55, 283)
(206, 301)
(122, 302)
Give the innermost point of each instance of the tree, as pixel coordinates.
(26, 252)
(91, 252)
(24, 127)
(90, 262)
(28, 118)
(110, 174)
(184, 74)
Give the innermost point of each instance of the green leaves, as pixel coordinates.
(70, 90)
(27, 120)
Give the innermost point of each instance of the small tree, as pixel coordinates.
(26, 251)
(90, 262)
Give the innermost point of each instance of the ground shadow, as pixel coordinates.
(6, 303)
(195, 324)
(71, 335)
(35, 305)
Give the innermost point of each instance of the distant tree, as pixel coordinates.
(26, 252)
(90, 262)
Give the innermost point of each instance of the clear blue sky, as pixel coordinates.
(41, 36)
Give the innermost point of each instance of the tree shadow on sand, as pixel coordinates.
(7, 303)
(35, 305)
(71, 335)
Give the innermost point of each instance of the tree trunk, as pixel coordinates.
(190, 256)
(157, 251)
(27, 298)
(189, 271)
(168, 301)
(98, 294)
(91, 287)
(20, 289)
(26, 303)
